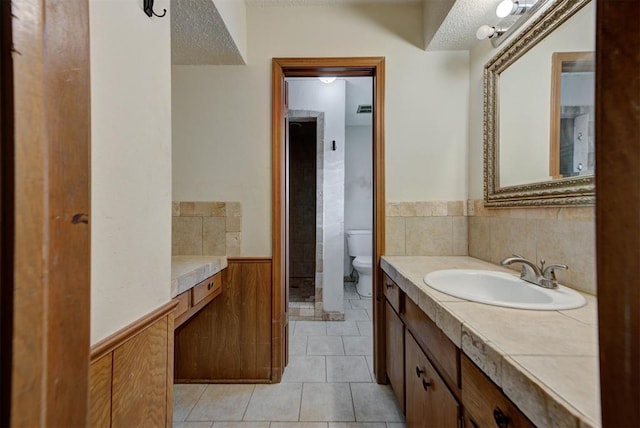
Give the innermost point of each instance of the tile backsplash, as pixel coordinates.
(440, 228)
(206, 228)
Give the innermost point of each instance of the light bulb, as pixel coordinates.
(327, 79)
(485, 31)
(506, 8)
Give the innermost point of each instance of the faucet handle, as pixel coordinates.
(550, 271)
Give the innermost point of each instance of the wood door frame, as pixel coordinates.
(618, 209)
(51, 281)
(314, 67)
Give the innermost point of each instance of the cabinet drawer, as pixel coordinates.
(439, 348)
(485, 403)
(394, 342)
(207, 287)
(183, 303)
(392, 293)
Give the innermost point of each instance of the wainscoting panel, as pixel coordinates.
(230, 339)
(131, 374)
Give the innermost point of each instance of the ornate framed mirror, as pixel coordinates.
(526, 110)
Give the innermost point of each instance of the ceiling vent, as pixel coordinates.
(364, 108)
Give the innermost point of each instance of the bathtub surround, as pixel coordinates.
(559, 235)
(206, 229)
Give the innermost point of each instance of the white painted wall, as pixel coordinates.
(222, 119)
(130, 163)
(234, 15)
(311, 94)
(358, 183)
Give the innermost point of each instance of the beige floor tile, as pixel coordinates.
(357, 425)
(325, 345)
(297, 345)
(278, 402)
(364, 303)
(192, 424)
(185, 396)
(365, 327)
(326, 402)
(298, 425)
(222, 402)
(240, 425)
(369, 359)
(351, 314)
(342, 328)
(347, 369)
(358, 345)
(310, 328)
(370, 313)
(305, 369)
(396, 425)
(375, 403)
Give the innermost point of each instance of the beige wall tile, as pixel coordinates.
(186, 236)
(234, 209)
(234, 224)
(455, 208)
(175, 209)
(214, 236)
(512, 236)
(395, 236)
(392, 209)
(460, 236)
(480, 237)
(424, 209)
(439, 208)
(571, 243)
(408, 209)
(429, 236)
(201, 209)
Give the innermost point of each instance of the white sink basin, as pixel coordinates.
(502, 289)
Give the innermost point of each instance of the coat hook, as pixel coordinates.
(148, 9)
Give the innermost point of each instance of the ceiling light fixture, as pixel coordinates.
(513, 7)
(327, 79)
(487, 31)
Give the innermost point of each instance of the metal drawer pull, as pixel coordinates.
(210, 286)
(425, 384)
(502, 420)
(419, 371)
(389, 285)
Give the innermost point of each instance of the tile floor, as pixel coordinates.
(327, 384)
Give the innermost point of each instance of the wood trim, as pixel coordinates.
(618, 209)
(110, 343)
(52, 251)
(7, 149)
(310, 67)
(558, 60)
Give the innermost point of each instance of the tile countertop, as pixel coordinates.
(187, 271)
(546, 362)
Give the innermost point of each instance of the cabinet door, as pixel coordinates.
(429, 403)
(395, 352)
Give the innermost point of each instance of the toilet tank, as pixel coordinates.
(359, 242)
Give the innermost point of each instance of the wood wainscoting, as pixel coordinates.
(131, 374)
(229, 340)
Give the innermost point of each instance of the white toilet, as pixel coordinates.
(359, 245)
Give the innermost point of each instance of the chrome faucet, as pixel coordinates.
(538, 275)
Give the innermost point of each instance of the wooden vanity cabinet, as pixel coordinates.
(485, 405)
(429, 403)
(193, 300)
(394, 352)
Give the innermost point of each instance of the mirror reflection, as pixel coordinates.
(545, 114)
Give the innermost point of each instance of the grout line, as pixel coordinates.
(353, 403)
(300, 405)
(244, 414)
(194, 404)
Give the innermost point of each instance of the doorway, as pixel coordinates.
(317, 67)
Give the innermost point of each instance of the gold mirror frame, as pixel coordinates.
(566, 191)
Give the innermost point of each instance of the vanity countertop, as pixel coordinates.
(187, 271)
(546, 362)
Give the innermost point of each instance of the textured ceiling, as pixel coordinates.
(199, 35)
(458, 30)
